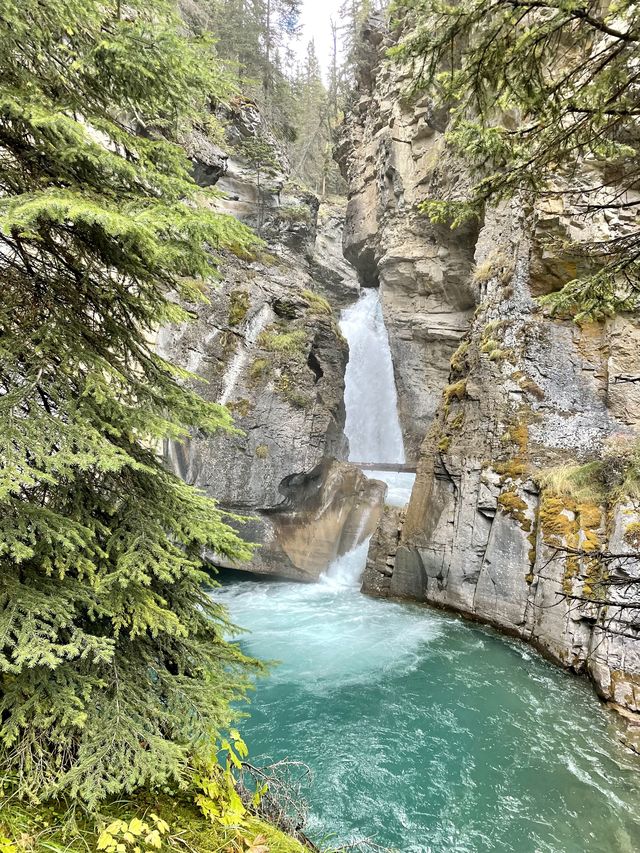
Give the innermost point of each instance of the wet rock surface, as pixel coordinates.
(268, 347)
(391, 154)
(503, 392)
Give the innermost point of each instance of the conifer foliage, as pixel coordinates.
(534, 89)
(114, 671)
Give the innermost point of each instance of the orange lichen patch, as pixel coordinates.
(572, 562)
(520, 436)
(557, 517)
(513, 505)
(632, 534)
(590, 541)
(511, 502)
(564, 522)
(589, 515)
(533, 539)
(511, 469)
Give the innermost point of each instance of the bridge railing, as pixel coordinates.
(385, 466)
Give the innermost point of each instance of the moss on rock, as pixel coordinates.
(455, 391)
(514, 506)
(275, 339)
(317, 304)
(632, 535)
(239, 303)
(459, 363)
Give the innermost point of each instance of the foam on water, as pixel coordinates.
(399, 485)
(327, 634)
(427, 733)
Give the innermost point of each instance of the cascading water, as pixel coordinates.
(372, 424)
(423, 732)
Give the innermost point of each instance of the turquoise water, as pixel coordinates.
(429, 734)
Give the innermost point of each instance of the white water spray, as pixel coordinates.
(344, 573)
(372, 424)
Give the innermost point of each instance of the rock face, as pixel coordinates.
(268, 347)
(381, 559)
(390, 155)
(503, 517)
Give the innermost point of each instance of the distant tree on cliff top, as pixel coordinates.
(352, 16)
(256, 36)
(114, 669)
(312, 153)
(535, 88)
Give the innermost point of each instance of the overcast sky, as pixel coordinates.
(316, 15)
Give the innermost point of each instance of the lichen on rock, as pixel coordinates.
(511, 413)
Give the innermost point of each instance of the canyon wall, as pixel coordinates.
(267, 346)
(501, 404)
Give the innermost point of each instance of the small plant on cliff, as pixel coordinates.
(276, 339)
(317, 304)
(239, 304)
(534, 88)
(114, 670)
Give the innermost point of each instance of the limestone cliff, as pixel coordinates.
(268, 347)
(390, 154)
(511, 400)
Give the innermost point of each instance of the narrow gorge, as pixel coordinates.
(320, 426)
(493, 396)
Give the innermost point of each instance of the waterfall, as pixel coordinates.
(372, 424)
(344, 572)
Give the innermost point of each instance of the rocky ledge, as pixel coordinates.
(268, 347)
(531, 422)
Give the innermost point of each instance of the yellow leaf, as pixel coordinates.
(161, 825)
(129, 837)
(106, 841)
(153, 839)
(258, 845)
(136, 826)
(116, 827)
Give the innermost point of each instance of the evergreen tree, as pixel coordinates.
(535, 87)
(312, 113)
(353, 15)
(114, 670)
(255, 35)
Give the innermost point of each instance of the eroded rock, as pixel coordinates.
(503, 392)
